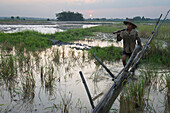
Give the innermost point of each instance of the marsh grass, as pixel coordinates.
(31, 40)
(28, 86)
(66, 102)
(8, 66)
(57, 56)
(80, 106)
(163, 33)
(157, 55)
(132, 99)
(110, 53)
(136, 94)
(49, 77)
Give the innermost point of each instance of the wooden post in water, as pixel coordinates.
(87, 90)
(104, 66)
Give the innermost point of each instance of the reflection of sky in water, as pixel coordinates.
(40, 28)
(46, 29)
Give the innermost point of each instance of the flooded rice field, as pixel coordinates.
(45, 29)
(49, 81)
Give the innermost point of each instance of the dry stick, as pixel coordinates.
(97, 96)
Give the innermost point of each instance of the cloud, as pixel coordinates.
(148, 11)
(99, 8)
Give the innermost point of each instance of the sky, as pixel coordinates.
(89, 8)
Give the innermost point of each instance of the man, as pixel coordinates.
(129, 36)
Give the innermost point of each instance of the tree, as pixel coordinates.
(137, 18)
(69, 16)
(12, 17)
(143, 18)
(17, 17)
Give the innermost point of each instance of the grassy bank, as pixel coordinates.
(32, 41)
(29, 40)
(155, 56)
(143, 29)
(110, 53)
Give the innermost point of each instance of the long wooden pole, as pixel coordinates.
(104, 66)
(87, 89)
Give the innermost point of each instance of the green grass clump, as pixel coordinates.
(105, 28)
(71, 35)
(7, 67)
(157, 55)
(110, 53)
(30, 40)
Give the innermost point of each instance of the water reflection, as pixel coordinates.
(45, 29)
(49, 81)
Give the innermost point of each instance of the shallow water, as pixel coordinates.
(67, 82)
(45, 29)
(67, 89)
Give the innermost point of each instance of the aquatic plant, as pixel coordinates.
(132, 99)
(28, 86)
(57, 56)
(66, 102)
(8, 66)
(49, 77)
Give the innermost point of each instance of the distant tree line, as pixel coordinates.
(17, 17)
(69, 16)
(138, 18)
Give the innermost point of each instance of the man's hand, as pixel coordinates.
(118, 33)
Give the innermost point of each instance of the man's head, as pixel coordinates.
(130, 25)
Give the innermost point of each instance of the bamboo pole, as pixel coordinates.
(104, 66)
(87, 89)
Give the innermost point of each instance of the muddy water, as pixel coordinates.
(67, 91)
